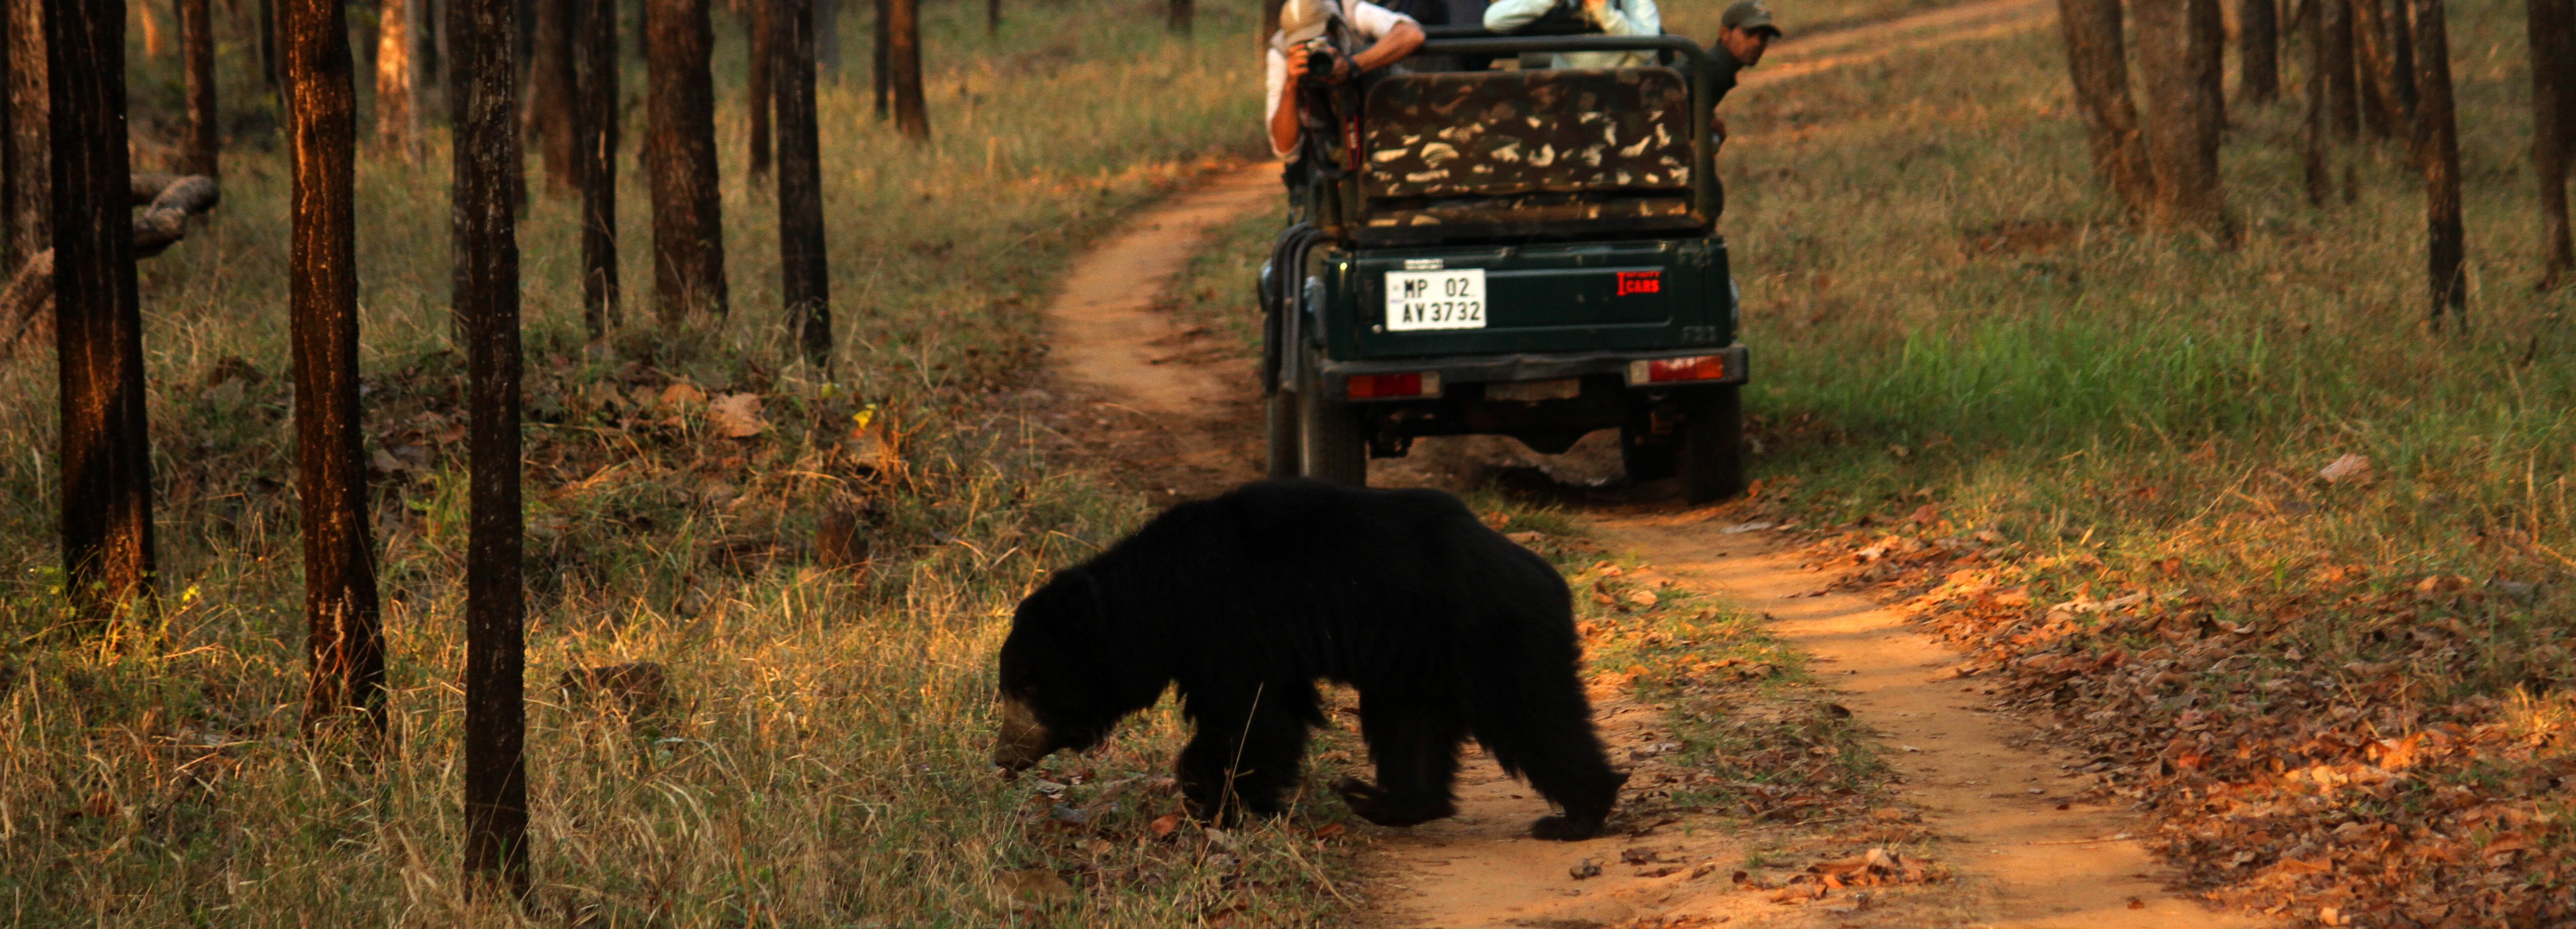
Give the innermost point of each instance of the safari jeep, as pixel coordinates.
(1525, 252)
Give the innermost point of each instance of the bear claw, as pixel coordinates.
(1565, 828)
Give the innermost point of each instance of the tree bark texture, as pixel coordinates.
(550, 78)
(903, 65)
(98, 320)
(2097, 60)
(2258, 50)
(31, 177)
(880, 71)
(2437, 152)
(155, 44)
(680, 156)
(2209, 28)
(758, 18)
(397, 111)
(2318, 161)
(2183, 129)
(804, 277)
(597, 137)
(198, 151)
(2342, 88)
(2553, 137)
(2376, 66)
(486, 257)
(2401, 37)
(344, 638)
(268, 65)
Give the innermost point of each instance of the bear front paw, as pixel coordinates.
(1386, 809)
(1565, 828)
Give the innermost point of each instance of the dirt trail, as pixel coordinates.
(1174, 411)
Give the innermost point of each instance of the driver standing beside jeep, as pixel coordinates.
(1301, 43)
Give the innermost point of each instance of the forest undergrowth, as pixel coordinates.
(2295, 569)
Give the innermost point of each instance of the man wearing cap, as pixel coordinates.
(1613, 17)
(1743, 34)
(1391, 36)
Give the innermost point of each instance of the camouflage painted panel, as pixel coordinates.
(1535, 209)
(1488, 133)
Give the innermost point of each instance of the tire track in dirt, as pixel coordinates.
(1178, 415)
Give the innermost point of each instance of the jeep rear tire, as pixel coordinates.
(1712, 444)
(1646, 456)
(1280, 429)
(1330, 443)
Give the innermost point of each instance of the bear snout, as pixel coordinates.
(1023, 740)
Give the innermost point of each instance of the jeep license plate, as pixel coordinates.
(1420, 300)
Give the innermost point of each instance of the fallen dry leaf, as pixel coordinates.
(737, 416)
(2345, 469)
(1035, 885)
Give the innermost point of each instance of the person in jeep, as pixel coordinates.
(1743, 34)
(1302, 42)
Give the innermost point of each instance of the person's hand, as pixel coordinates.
(1343, 70)
(1594, 7)
(1296, 62)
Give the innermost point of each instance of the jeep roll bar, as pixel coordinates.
(1708, 198)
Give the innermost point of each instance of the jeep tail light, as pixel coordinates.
(1670, 370)
(1382, 386)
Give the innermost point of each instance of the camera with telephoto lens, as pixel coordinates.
(1322, 60)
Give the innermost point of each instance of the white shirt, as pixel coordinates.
(1616, 17)
(1367, 20)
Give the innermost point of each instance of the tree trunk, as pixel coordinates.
(486, 259)
(2342, 88)
(198, 150)
(397, 114)
(880, 71)
(680, 155)
(2183, 129)
(2401, 38)
(2318, 162)
(2097, 60)
(596, 121)
(106, 464)
(992, 17)
(549, 113)
(2376, 64)
(344, 642)
(2209, 28)
(763, 41)
(31, 178)
(2258, 50)
(804, 280)
(1178, 15)
(268, 43)
(903, 66)
(827, 40)
(155, 45)
(2437, 152)
(2553, 136)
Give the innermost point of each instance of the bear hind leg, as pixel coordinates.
(1415, 744)
(1246, 753)
(1549, 742)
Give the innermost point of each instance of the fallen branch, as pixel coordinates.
(167, 201)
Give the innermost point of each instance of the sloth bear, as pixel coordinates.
(1445, 628)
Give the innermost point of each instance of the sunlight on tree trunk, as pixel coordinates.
(31, 184)
(761, 39)
(804, 278)
(155, 43)
(2437, 152)
(198, 150)
(397, 111)
(106, 465)
(903, 65)
(344, 639)
(680, 157)
(2183, 130)
(2097, 59)
(549, 97)
(2553, 121)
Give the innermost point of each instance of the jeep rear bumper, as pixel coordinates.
(1490, 369)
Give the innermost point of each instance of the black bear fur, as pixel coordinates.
(1445, 628)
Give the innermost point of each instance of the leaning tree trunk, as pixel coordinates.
(2258, 50)
(2437, 152)
(2318, 151)
(595, 124)
(903, 65)
(198, 149)
(804, 281)
(344, 638)
(550, 77)
(2341, 85)
(880, 71)
(2097, 60)
(31, 179)
(2183, 129)
(486, 259)
(763, 42)
(2553, 123)
(680, 155)
(106, 464)
(397, 111)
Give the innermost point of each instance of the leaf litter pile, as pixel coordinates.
(2360, 747)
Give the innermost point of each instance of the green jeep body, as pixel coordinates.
(1517, 252)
